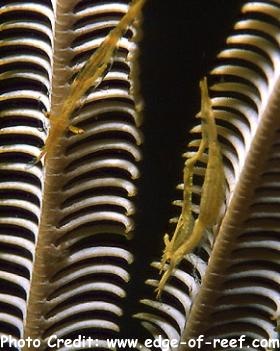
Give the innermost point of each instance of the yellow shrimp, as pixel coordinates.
(188, 232)
(88, 77)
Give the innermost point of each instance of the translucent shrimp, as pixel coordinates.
(188, 232)
(89, 77)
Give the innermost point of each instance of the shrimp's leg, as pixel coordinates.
(51, 138)
(166, 252)
(189, 165)
(75, 130)
(164, 278)
(192, 241)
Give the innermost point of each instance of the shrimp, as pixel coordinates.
(188, 232)
(89, 77)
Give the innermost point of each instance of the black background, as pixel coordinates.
(181, 39)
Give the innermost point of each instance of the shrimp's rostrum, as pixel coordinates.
(89, 77)
(188, 232)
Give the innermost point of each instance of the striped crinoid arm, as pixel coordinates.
(25, 74)
(82, 257)
(239, 291)
(245, 289)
